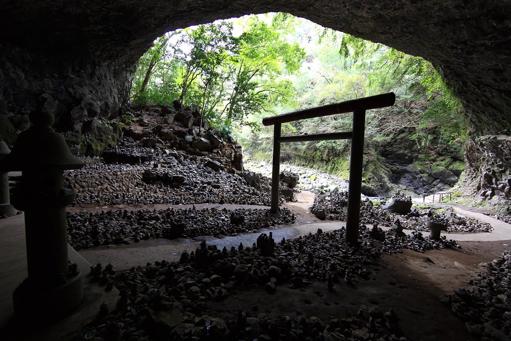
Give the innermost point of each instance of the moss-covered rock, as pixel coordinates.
(95, 136)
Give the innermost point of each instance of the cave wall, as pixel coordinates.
(79, 56)
(76, 91)
(488, 167)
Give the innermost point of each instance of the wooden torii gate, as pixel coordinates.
(358, 107)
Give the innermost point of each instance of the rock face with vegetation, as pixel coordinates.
(182, 128)
(488, 173)
(488, 160)
(407, 148)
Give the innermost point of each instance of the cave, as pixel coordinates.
(82, 55)
(77, 63)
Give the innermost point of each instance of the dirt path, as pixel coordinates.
(301, 208)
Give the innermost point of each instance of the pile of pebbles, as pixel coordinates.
(175, 300)
(140, 175)
(191, 179)
(334, 205)
(86, 230)
(505, 218)
(309, 179)
(170, 300)
(455, 223)
(485, 305)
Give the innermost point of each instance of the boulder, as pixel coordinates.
(445, 176)
(184, 117)
(155, 176)
(214, 165)
(202, 144)
(150, 142)
(214, 140)
(125, 156)
(253, 179)
(237, 218)
(399, 204)
(167, 135)
(289, 178)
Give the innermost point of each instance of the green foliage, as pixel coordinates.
(149, 82)
(240, 70)
(409, 77)
(230, 78)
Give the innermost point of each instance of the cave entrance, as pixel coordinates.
(235, 72)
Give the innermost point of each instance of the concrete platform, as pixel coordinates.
(13, 270)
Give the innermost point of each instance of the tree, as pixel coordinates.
(228, 77)
(153, 69)
(412, 78)
(264, 56)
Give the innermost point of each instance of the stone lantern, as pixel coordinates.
(6, 208)
(53, 287)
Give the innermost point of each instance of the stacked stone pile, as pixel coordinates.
(333, 206)
(485, 305)
(183, 128)
(176, 300)
(180, 179)
(399, 204)
(418, 219)
(87, 230)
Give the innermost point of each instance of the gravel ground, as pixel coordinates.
(87, 230)
(169, 300)
(485, 305)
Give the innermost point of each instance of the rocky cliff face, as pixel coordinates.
(488, 161)
(80, 55)
(182, 128)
